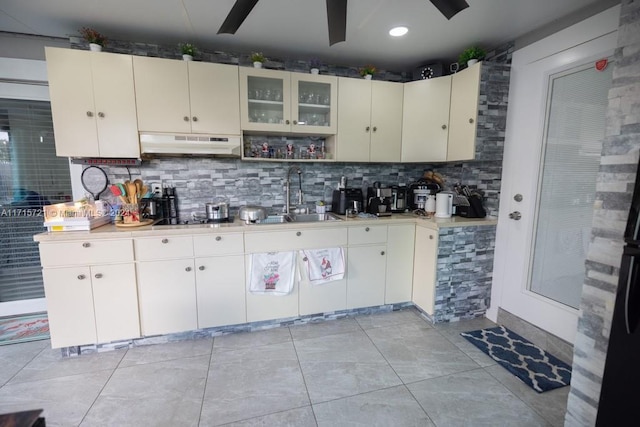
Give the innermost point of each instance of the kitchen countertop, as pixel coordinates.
(111, 231)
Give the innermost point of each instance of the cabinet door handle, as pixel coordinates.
(186, 118)
(298, 233)
(430, 236)
(89, 113)
(286, 122)
(200, 268)
(187, 269)
(98, 276)
(218, 238)
(375, 128)
(295, 122)
(165, 240)
(381, 252)
(367, 129)
(367, 229)
(444, 127)
(305, 259)
(470, 120)
(101, 115)
(81, 277)
(86, 244)
(195, 118)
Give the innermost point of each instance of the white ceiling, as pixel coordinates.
(297, 28)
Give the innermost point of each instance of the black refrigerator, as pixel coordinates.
(620, 395)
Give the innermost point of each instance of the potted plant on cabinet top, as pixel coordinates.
(368, 71)
(188, 51)
(471, 55)
(95, 39)
(314, 64)
(257, 58)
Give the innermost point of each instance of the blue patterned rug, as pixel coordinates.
(535, 367)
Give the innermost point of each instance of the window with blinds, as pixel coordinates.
(31, 176)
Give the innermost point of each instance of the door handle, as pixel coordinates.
(515, 216)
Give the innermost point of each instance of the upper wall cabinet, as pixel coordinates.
(281, 101)
(93, 103)
(440, 116)
(370, 120)
(186, 96)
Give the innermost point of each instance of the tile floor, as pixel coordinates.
(390, 369)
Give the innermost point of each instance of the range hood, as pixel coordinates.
(190, 144)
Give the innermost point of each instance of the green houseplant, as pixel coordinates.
(96, 40)
(257, 58)
(473, 54)
(188, 51)
(368, 71)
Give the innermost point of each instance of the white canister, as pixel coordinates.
(444, 205)
(430, 206)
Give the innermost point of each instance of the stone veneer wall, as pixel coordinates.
(618, 168)
(199, 180)
(464, 272)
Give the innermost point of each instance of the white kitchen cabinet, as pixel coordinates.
(425, 125)
(322, 298)
(424, 268)
(463, 117)
(91, 304)
(220, 291)
(369, 120)
(285, 102)
(303, 238)
(399, 275)
(163, 247)
(167, 293)
(92, 103)
(366, 266)
(186, 97)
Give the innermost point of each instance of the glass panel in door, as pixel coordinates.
(314, 104)
(574, 130)
(265, 100)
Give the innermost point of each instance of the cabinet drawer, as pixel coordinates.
(294, 239)
(218, 244)
(83, 252)
(368, 234)
(153, 248)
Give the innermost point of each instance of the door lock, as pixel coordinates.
(515, 215)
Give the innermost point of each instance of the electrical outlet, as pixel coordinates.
(156, 188)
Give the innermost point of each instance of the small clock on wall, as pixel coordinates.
(428, 71)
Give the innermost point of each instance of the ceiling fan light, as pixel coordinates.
(398, 31)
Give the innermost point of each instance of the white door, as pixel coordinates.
(536, 196)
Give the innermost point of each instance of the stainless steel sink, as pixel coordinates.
(315, 217)
(276, 219)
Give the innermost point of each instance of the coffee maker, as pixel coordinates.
(343, 199)
(419, 192)
(379, 200)
(398, 198)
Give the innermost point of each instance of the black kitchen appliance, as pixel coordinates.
(169, 204)
(621, 379)
(418, 193)
(343, 199)
(151, 208)
(399, 198)
(379, 200)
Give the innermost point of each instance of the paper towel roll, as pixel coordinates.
(444, 205)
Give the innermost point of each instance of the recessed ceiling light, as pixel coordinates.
(398, 31)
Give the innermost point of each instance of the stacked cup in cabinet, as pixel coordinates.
(188, 282)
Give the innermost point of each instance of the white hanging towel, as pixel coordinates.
(272, 273)
(324, 265)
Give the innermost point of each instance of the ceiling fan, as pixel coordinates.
(336, 16)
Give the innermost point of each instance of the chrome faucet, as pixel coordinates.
(287, 206)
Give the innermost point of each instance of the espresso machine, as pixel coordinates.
(399, 198)
(344, 199)
(419, 192)
(379, 200)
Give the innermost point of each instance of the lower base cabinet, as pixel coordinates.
(268, 307)
(424, 271)
(400, 246)
(220, 291)
(366, 273)
(167, 292)
(326, 297)
(88, 305)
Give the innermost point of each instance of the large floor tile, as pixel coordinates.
(253, 382)
(477, 355)
(14, 357)
(49, 363)
(465, 325)
(416, 352)
(343, 365)
(393, 406)
(65, 400)
(154, 394)
(251, 339)
(299, 417)
(169, 351)
(391, 318)
(323, 328)
(550, 405)
(472, 398)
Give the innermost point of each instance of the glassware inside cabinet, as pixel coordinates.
(265, 100)
(314, 103)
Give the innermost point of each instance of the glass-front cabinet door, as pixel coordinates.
(313, 104)
(265, 100)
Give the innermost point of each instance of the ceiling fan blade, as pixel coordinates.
(450, 7)
(236, 16)
(337, 21)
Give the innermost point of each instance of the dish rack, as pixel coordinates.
(76, 216)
